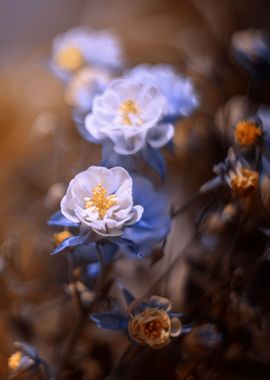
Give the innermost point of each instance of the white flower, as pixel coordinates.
(80, 46)
(128, 113)
(177, 90)
(101, 199)
(84, 85)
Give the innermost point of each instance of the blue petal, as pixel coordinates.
(109, 320)
(71, 242)
(126, 245)
(155, 160)
(155, 223)
(58, 220)
(93, 270)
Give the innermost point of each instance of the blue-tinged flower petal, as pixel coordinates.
(110, 320)
(27, 349)
(58, 220)
(93, 270)
(126, 245)
(155, 223)
(155, 160)
(71, 242)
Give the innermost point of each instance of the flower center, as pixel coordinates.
(152, 327)
(247, 132)
(70, 59)
(129, 111)
(244, 182)
(14, 360)
(100, 201)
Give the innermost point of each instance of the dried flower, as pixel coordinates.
(243, 182)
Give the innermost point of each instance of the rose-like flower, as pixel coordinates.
(101, 200)
(178, 90)
(128, 113)
(150, 323)
(84, 85)
(80, 46)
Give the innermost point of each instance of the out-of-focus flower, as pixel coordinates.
(127, 114)
(59, 237)
(23, 359)
(84, 85)
(236, 174)
(148, 322)
(251, 49)
(80, 46)
(248, 132)
(178, 90)
(101, 199)
(243, 182)
(85, 295)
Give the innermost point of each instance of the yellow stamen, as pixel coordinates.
(247, 133)
(244, 182)
(70, 59)
(100, 200)
(14, 360)
(129, 107)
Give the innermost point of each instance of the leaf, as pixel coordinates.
(110, 320)
(59, 220)
(129, 297)
(71, 242)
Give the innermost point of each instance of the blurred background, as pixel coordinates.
(40, 150)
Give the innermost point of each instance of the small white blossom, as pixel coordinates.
(128, 113)
(101, 199)
(84, 85)
(178, 90)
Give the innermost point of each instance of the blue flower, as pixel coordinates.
(139, 238)
(178, 90)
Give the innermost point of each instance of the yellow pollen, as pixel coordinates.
(247, 132)
(244, 182)
(59, 237)
(100, 200)
(129, 107)
(14, 360)
(70, 58)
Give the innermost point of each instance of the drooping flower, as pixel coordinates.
(235, 174)
(83, 86)
(80, 46)
(147, 321)
(128, 114)
(178, 90)
(101, 200)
